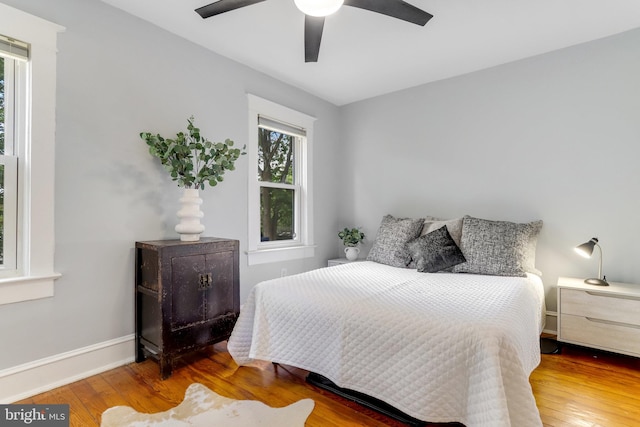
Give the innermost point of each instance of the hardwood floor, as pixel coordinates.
(579, 387)
(585, 387)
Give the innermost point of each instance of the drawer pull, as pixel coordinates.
(610, 322)
(205, 281)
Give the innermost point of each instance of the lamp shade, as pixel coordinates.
(586, 250)
(318, 7)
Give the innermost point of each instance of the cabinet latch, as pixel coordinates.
(205, 281)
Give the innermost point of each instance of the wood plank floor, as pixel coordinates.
(579, 387)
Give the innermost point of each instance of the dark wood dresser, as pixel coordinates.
(187, 296)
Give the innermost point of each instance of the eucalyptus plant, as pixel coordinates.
(191, 159)
(351, 237)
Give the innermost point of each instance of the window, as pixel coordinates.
(279, 180)
(280, 190)
(12, 95)
(27, 131)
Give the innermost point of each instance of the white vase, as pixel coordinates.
(352, 252)
(190, 214)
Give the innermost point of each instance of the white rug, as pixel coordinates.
(202, 407)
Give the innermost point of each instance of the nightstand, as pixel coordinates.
(339, 261)
(602, 317)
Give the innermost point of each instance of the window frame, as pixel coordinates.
(296, 186)
(302, 246)
(14, 92)
(35, 275)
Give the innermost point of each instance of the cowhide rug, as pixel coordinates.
(203, 408)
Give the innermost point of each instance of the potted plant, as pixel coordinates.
(351, 238)
(193, 161)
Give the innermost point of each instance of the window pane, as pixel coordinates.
(275, 156)
(1, 214)
(1, 105)
(277, 213)
(2, 114)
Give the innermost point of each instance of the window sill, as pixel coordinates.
(264, 256)
(26, 288)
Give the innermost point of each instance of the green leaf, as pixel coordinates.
(190, 158)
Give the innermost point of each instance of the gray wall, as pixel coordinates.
(118, 76)
(554, 137)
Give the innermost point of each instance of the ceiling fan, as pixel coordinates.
(316, 10)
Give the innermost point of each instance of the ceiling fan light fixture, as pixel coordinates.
(318, 7)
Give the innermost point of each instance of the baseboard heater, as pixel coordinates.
(365, 400)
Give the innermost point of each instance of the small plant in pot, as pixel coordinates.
(351, 238)
(193, 161)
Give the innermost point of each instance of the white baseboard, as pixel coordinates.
(29, 379)
(551, 325)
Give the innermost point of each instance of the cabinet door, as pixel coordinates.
(187, 295)
(220, 294)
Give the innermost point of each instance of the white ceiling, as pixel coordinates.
(365, 54)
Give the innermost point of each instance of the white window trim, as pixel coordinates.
(281, 251)
(36, 162)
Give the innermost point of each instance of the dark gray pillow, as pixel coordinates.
(454, 227)
(435, 251)
(498, 248)
(390, 246)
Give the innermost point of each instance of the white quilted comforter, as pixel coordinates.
(439, 347)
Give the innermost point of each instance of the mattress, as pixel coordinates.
(439, 347)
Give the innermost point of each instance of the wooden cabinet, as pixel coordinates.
(603, 317)
(187, 296)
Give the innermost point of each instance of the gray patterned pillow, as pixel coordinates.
(390, 246)
(435, 251)
(498, 248)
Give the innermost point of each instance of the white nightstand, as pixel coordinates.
(603, 317)
(339, 261)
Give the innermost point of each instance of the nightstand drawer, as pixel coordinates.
(601, 306)
(594, 333)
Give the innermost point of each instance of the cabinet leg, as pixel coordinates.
(140, 356)
(165, 367)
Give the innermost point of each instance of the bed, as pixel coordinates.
(444, 346)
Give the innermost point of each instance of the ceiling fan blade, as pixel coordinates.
(394, 8)
(222, 6)
(313, 26)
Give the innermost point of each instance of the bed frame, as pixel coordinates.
(369, 402)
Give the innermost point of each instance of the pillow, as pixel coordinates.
(498, 248)
(435, 251)
(390, 246)
(454, 227)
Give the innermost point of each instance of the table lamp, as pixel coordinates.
(586, 249)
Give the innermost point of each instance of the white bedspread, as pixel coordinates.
(439, 347)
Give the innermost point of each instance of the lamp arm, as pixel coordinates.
(600, 263)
